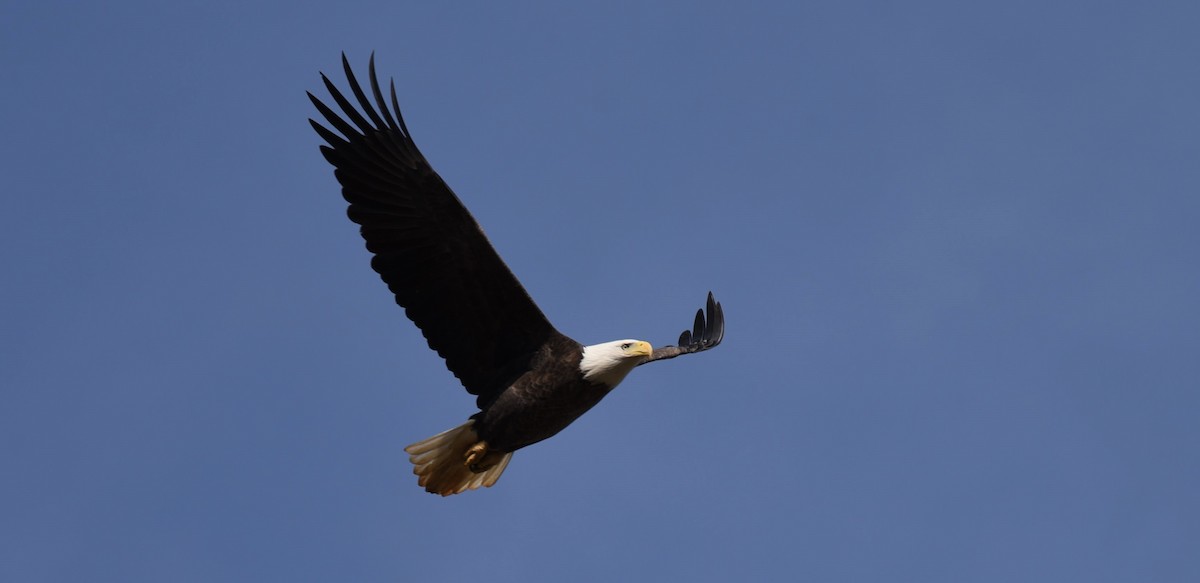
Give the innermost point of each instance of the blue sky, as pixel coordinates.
(956, 245)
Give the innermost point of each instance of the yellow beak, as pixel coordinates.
(641, 349)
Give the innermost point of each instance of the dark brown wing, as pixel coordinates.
(705, 333)
(427, 247)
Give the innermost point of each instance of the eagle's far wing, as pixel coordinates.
(427, 247)
(706, 333)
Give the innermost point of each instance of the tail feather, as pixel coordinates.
(439, 462)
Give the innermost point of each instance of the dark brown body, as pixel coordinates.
(541, 402)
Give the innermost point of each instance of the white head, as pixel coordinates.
(608, 363)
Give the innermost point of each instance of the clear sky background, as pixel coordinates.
(957, 246)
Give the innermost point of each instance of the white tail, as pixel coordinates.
(440, 462)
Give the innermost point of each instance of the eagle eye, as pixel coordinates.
(626, 346)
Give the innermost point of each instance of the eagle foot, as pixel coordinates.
(476, 458)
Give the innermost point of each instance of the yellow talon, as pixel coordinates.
(476, 457)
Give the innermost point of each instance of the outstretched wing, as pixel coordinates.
(705, 333)
(427, 247)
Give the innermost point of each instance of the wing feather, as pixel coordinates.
(708, 329)
(427, 247)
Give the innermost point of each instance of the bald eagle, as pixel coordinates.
(530, 380)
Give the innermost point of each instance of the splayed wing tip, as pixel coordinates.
(708, 330)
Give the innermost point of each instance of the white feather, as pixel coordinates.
(609, 362)
(438, 462)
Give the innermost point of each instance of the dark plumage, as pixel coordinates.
(530, 380)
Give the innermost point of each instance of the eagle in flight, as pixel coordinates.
(530, 380)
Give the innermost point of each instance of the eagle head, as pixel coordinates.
(609, 362)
